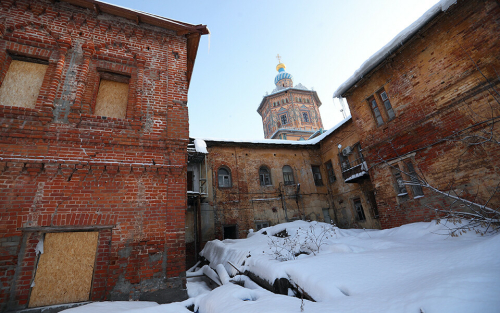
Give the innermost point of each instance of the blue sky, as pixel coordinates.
(322, 43)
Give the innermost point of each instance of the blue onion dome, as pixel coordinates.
(282, 74)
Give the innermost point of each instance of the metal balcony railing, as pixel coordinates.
(354, 169)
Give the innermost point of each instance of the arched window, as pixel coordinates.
(288, 175)
(224, 177)
(264, 176)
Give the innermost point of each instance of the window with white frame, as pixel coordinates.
(224, 177)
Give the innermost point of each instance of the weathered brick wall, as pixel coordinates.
(444, 81)
(245, 201)
(341, 193)
(270, 113)
(61, 166)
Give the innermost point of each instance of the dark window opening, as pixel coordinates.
(318, 181)
(360, 213)
(330, 171)
(260, 225)
(230, 232)
(190, 176)
(305, 117)
(284, 119)
(264, 176)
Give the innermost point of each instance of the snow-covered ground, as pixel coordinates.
(412, 268)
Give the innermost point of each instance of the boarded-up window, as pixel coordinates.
(22, 84)
(112, 99)
(65, 269)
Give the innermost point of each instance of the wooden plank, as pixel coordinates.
(22, 84)
(112, 99)
(65, 269)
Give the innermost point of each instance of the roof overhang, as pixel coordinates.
(390, 49)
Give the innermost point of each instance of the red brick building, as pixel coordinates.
(93, 139)
(290, 112)
(240, 185)
(427, 112)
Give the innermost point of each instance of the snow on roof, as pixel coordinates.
(394, 44)
(200, 145)
(282, 142)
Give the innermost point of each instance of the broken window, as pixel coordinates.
(416, 186)
(358, 207)
(399, 183)
(224, 177)
(376, 111)
(22, 82)
(330, 172)
(318, 181)
(288, 175)
(264, 176)
(112, 97)
(284, 119)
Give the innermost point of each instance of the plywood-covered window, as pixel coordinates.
(112, 97)
(22, 83)
(65, 268)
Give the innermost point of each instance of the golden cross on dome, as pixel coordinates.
(279, 58)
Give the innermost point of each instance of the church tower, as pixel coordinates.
(290, 113)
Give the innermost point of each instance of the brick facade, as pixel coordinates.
(246, 203)
(62, 168)
(443, 88)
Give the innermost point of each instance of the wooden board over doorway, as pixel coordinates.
(65, 269)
